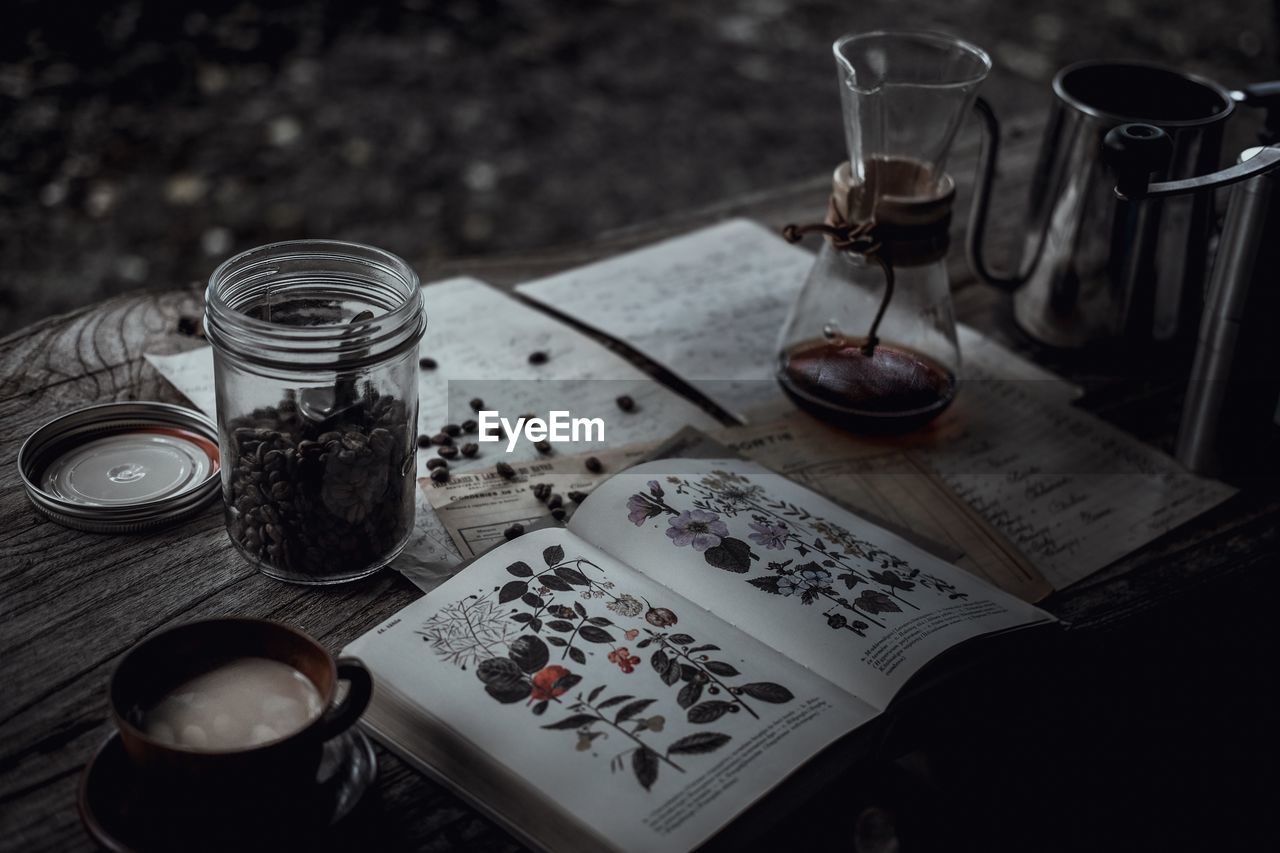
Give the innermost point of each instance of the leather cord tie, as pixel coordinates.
(859, 239)
(905, 229)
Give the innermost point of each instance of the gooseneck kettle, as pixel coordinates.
(1070, 287)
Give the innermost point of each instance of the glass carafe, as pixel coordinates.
(870, 343)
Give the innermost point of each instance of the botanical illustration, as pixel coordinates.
(851, 580)
(523, 637)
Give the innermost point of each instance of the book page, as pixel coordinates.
(633, 711)
(860, 606)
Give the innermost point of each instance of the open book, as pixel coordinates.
(701, 630)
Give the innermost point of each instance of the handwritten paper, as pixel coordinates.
(709, 306)
(1071, 491)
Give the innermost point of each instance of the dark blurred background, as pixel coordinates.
(141, 142)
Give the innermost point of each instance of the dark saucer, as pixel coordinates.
(122, 813)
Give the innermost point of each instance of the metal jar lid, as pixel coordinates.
(121, 467)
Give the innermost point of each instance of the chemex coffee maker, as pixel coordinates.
(870, 343)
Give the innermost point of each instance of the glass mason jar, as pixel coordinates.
(315, 346)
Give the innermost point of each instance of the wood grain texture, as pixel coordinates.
(71, 603)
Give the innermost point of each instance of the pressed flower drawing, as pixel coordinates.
(843, 563)
(696, 528)
(806, 583)
(626, 605)
(772, 537)
(468, 631)
(624, 659)
(641, 510)
(511, 635)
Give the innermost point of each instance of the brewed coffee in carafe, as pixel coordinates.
(870, 343)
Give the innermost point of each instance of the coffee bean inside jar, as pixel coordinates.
(317, 416)
(315, 498)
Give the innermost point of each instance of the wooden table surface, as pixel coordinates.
(72, 603)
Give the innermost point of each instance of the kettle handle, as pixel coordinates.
(975, 240)
(1265, 160)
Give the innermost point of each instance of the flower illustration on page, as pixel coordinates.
(806, 583)
(626, 605)
(641, 510)
(697, 528)
(770, 536)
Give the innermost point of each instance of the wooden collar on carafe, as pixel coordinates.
(912, 229)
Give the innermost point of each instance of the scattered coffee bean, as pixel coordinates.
(427, 363)
(542, 491)
(451, 429)
(513, 531)
(577, 497)
(470, 449)
(189, 326)
(543, 446)
(441, 438)
(506, 471)
(440, 475)
(469, 426)
(476, 404)
(558, 513)
(424, 441)
(594, 465)
(555, 502)
(538, 357)
(447, 451)
(626, 403)
(436, 462)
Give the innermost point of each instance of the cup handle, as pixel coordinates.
(342, 716)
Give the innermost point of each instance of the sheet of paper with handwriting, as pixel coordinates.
(1068, 489)
(707, 306)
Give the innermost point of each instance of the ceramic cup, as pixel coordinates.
(159, 663)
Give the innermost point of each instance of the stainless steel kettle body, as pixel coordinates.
(1069, 291)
